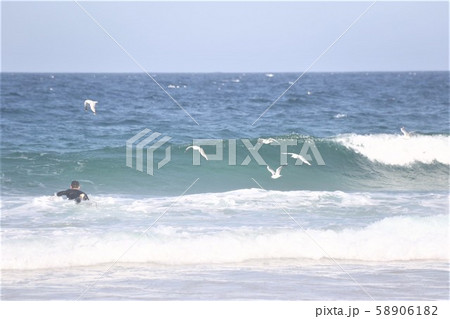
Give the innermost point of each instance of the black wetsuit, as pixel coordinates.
(73, 194)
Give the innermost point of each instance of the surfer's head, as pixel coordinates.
(75, 185)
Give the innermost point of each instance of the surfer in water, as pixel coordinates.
(74, 192)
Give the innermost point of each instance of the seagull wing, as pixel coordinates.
(272, 140)
(202, 153)
(303, 160)
(188, 148)
(279, 170)
(404, 131)
(292, 154)
(270, 170)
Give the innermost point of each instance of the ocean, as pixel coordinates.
(367, 220)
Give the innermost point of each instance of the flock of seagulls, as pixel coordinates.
(277, 173)
(274, 174)
(90, 104)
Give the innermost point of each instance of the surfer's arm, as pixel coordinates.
(85, 197)
(61, 193)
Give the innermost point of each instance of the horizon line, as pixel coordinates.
(222, 72)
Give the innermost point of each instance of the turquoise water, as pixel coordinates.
(373, 203)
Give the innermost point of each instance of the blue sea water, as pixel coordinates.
(371, 223)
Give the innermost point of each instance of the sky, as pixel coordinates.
(223, 36)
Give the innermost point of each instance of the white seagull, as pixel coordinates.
(91, 104)
(300, 157)
(267, 140)
(198, 148)
(405, 132)
(275, 174)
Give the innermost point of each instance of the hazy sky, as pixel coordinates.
(224, 36)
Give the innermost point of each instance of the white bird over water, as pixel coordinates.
(405, 132)
(275, 174)
(267, 140)
(300, 157)
(91, 104)
(198, 148)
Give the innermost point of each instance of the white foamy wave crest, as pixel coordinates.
(244, 200)
(398, 149)
(390, 239)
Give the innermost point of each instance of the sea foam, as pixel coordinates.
(399, 150)
(391, 239)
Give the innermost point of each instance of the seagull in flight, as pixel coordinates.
(91, 104)
(275, 174)
(300, 157)
(267, 140)
(198, 148)
(405, 132)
